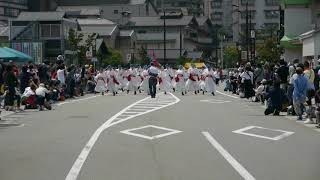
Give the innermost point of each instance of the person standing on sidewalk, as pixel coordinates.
(153, 73)
(300, 84)
(310, 75)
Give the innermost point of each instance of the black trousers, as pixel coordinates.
(153, 86)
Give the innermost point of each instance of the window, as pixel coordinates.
(272, 2)
(11, 12)
(250, 2)
(115, 11)
(271, 26)
(244, 27)
(45, 30)
(216, 3)
(271, 14)
(50, 30)
(216, 16)
(55, 30)
(1, 11)
(252, 14)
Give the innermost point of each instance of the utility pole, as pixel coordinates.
(164, 37)
(247, 30)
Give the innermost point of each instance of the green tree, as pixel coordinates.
(269, 50)
(113, 59)
(182, 61)
(231, 56)
(74, 40)
(143, 56)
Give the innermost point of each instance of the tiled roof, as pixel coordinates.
(102, 31)
(156, 21)
(156, 36)
(95, 22)
(126, 33)
(90, 2)
(40, 16)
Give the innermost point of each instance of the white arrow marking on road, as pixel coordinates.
(235, 97)
(77, 166)
(215, 101)
(234, 163)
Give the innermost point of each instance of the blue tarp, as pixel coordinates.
(14, 55)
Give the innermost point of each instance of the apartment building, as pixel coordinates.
(192, 7)
(263, 14)
(220, 13)
(12, 8)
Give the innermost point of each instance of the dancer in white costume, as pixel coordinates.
(100, 80)
(121, 78)
(202, 83)
(112, 80)
(165, 81)
(210, 84)
(192, 82)
(133, 81)
(180, 80)
(145, 83)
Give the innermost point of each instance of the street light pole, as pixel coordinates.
(247, 30)
(164, 38)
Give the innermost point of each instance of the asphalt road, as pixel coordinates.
(169, 138)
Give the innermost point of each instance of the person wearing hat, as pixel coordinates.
(144, 86)
(210, 83)
(153, 74)
(41, 93)
(261, 90)
(192, 82)
(180, 80)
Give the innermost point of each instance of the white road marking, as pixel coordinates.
(232, 161)
(283, 135)
(76, 100)
(235, 97)
(215, 101)
(170, 132)
(78, 164)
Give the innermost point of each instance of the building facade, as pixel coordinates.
(11, 9)
(297, 12)
(220, 13)
(262, 14)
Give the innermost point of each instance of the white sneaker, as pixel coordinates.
(308, 121)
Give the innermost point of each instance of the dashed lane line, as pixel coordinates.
(231, 160)
(117, 119)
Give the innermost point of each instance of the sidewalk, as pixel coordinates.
(283, 114)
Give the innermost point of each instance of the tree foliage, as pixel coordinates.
(143, 56)
(114, 58)
(269, 51)
(231, 56)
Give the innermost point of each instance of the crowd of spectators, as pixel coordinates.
(282, 86)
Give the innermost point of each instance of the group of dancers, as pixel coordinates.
(136, 80)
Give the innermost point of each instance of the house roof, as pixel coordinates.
(98, 21)
(202, 20)
(126, 33)
(156, 36)
(90, 2)
(156, 21)
(82, 12)
(102, 31)
(40, 16)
